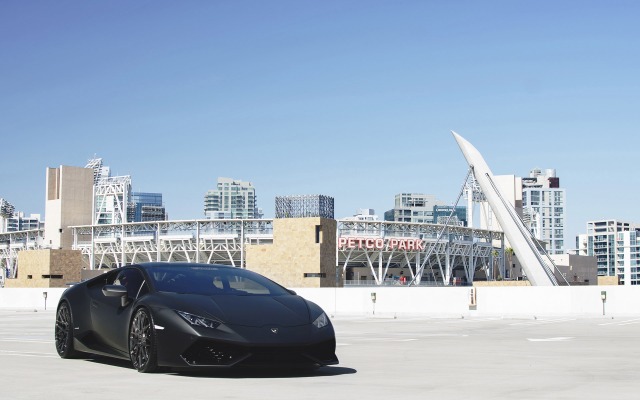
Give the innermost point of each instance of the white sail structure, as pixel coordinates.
(539, 272)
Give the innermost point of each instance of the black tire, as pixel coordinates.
(64, 331)
(142, 342)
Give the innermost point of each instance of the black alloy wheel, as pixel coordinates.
(142, 342)
(64, 331)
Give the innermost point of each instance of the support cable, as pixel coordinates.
(527, 235)
(444, 227)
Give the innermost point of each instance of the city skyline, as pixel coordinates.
(347, 99)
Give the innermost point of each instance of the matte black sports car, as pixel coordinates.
(192, 315)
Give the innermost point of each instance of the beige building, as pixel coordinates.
(577, 270)
(69, 203)
(303, 253)
(47, 268)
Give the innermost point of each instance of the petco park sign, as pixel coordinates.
(361, 243)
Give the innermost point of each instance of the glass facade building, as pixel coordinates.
(146, 207)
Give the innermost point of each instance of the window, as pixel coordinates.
(213, 281)
(131, 279)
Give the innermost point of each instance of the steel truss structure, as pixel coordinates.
(446, 248)
(13, 242)
(206, 240)
(442, 250)
(304, 206)
(111, 196)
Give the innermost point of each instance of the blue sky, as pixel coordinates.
(351, 99)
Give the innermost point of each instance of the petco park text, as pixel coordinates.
(380, 243)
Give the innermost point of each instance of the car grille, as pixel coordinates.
(205, 352)
(213, 353)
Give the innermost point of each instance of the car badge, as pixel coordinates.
(274, 331)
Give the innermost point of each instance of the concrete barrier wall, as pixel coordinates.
(584, 301)
(29, 298)
(529, 301)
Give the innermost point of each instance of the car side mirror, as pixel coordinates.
(293, 292)
(116, 291)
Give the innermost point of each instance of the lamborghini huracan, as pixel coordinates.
(189, 315)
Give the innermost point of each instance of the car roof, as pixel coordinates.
(148, 265)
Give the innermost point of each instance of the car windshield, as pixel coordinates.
(212, 281)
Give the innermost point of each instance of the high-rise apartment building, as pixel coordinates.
(616, 246)
(232, 199)
(423, 208)
(539, 202)
(363, 214)
(6, 211)
(20, 222)
(543, 208)
(99, 170)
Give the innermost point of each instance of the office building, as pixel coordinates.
(424, 208)
(450, 215)
(232, 199)
(146, 207)
(413, 207)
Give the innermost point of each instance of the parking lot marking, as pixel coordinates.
(555, 339)
(627, 322)
(543, 321)
(27, 354)
(26, 340)
(481, 319)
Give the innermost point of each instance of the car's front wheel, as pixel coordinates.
(142, 342)
(64, 331)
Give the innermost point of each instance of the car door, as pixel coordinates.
(110, 317)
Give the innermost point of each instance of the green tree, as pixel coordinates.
(509, 253)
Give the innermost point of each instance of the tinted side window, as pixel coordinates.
(131, 279)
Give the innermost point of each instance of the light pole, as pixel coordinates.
(603, 296)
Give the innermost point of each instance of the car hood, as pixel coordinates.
(249, 310)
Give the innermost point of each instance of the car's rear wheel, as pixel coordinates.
(64, 331)
(142, 342)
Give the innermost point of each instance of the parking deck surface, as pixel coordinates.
(380, 358)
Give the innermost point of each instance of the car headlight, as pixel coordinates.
(321, 321)
(198, 320)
